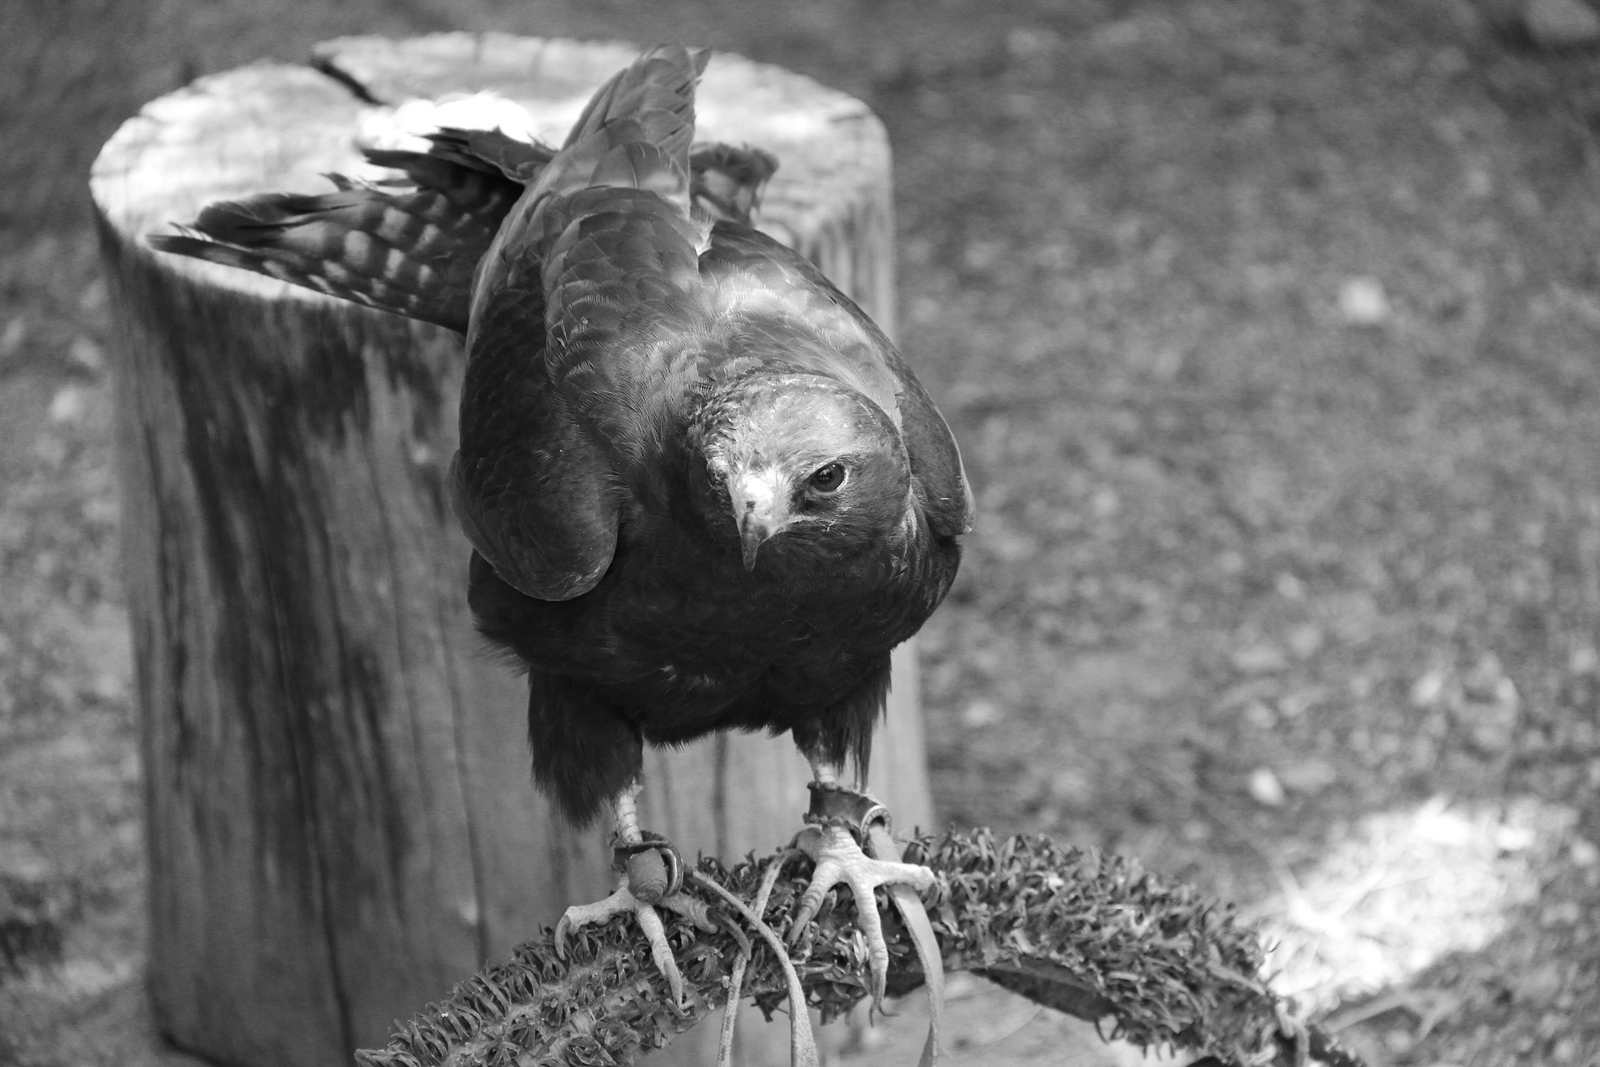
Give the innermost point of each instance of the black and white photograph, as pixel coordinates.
(826, 533)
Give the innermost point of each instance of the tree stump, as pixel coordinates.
(341, 820)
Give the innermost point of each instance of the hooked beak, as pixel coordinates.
(759, 509)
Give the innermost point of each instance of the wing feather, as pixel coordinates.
(552, 424)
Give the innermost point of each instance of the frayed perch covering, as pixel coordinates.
(1151, 959)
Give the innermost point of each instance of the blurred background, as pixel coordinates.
(1270, 331)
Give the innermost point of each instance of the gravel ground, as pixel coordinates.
(1269, 328)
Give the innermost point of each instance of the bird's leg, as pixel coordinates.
(650, 876)
(839, 820)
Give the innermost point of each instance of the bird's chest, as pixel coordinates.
(711, 622)
(698, 631)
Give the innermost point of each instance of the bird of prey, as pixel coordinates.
(703, 490)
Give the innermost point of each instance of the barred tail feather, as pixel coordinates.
(357, 244)
(446, 190)
(491, 151)
(411, 250)
(412, 244)
(331, 278)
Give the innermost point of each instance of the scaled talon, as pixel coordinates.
(624, 901)
(841, 861)
(838, 816)
(650, 877)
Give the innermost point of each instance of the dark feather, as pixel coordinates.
(636, 353)
(490, 151)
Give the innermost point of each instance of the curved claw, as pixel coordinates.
(581, 915)
(624, 902)
(660, 951)
(840, 859)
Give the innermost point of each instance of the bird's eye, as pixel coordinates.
(828, 479)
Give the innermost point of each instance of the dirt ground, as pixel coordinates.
(1270, 332)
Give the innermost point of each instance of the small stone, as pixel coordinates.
(1583, 853)
(1296, 703)
(1289, 587)
(1427, 689)
(1561, 23)
(1363, 302)
(1265, 789)
(1514, 838)
(67, 404)
(1259, 659)
(980, 713)
(1310, 775)
(86, 354)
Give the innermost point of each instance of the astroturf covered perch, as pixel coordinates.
(341, 822)
(1151, 960)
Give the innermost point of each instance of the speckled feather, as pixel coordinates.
(410, 249)
(411, 244)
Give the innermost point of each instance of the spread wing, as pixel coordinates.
(411, 244)
(559, 381)
(741, 259)
(408, 245)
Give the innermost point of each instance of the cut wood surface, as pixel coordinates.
(341, 817)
